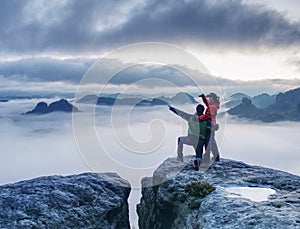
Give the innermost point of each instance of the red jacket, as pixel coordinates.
(210, 112)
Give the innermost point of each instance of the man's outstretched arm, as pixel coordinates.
(180, 113)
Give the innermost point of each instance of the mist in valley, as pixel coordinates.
(138, 138)
(131, 141)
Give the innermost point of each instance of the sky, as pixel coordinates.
(51, 44)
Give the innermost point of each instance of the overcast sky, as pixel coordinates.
(58, 40)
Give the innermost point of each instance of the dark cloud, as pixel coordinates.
(45, 69)
(39, 75)
(154, 75)
(56, 26)
(73, 70)
(31, 27)
(221, 22)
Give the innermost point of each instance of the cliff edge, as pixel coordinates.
(173, 204)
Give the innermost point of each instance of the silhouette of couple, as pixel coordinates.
(201, 130)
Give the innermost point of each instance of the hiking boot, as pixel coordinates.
(196, 164)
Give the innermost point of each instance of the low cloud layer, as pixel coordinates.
(33, 27)
(271, 145)
(46, 144)
(54, 76)
(33, 146)
(45, 69)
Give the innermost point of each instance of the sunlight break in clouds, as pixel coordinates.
(250, 65)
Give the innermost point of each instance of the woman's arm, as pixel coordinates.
(204, 99)
(207, 114)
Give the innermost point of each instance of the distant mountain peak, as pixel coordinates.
(179, 98)
(284, 106)
(61, 105)
(239, 95)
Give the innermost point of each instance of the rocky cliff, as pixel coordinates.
(61, 106)
(286, 106)
(79, 201)
(170, 204)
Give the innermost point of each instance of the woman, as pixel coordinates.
(212, 106)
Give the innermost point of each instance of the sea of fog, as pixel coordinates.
(136, 140)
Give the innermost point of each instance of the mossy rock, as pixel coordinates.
(193, 203)
(199, 188)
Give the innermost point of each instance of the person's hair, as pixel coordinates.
(200, 109)
(213, 97)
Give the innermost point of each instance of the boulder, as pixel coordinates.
(167, 204)
(79, 201)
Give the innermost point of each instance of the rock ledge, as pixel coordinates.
(165, 205)
(79, 201)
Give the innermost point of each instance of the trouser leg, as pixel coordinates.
(181, 141)
(191, 140)
(207, 144)
(199, 148)
(207, 138)
(179, 149)
(214, 148)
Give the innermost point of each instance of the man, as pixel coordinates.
(197, 130)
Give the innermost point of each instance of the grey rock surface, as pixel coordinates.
(79, 201)
(165, 205)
